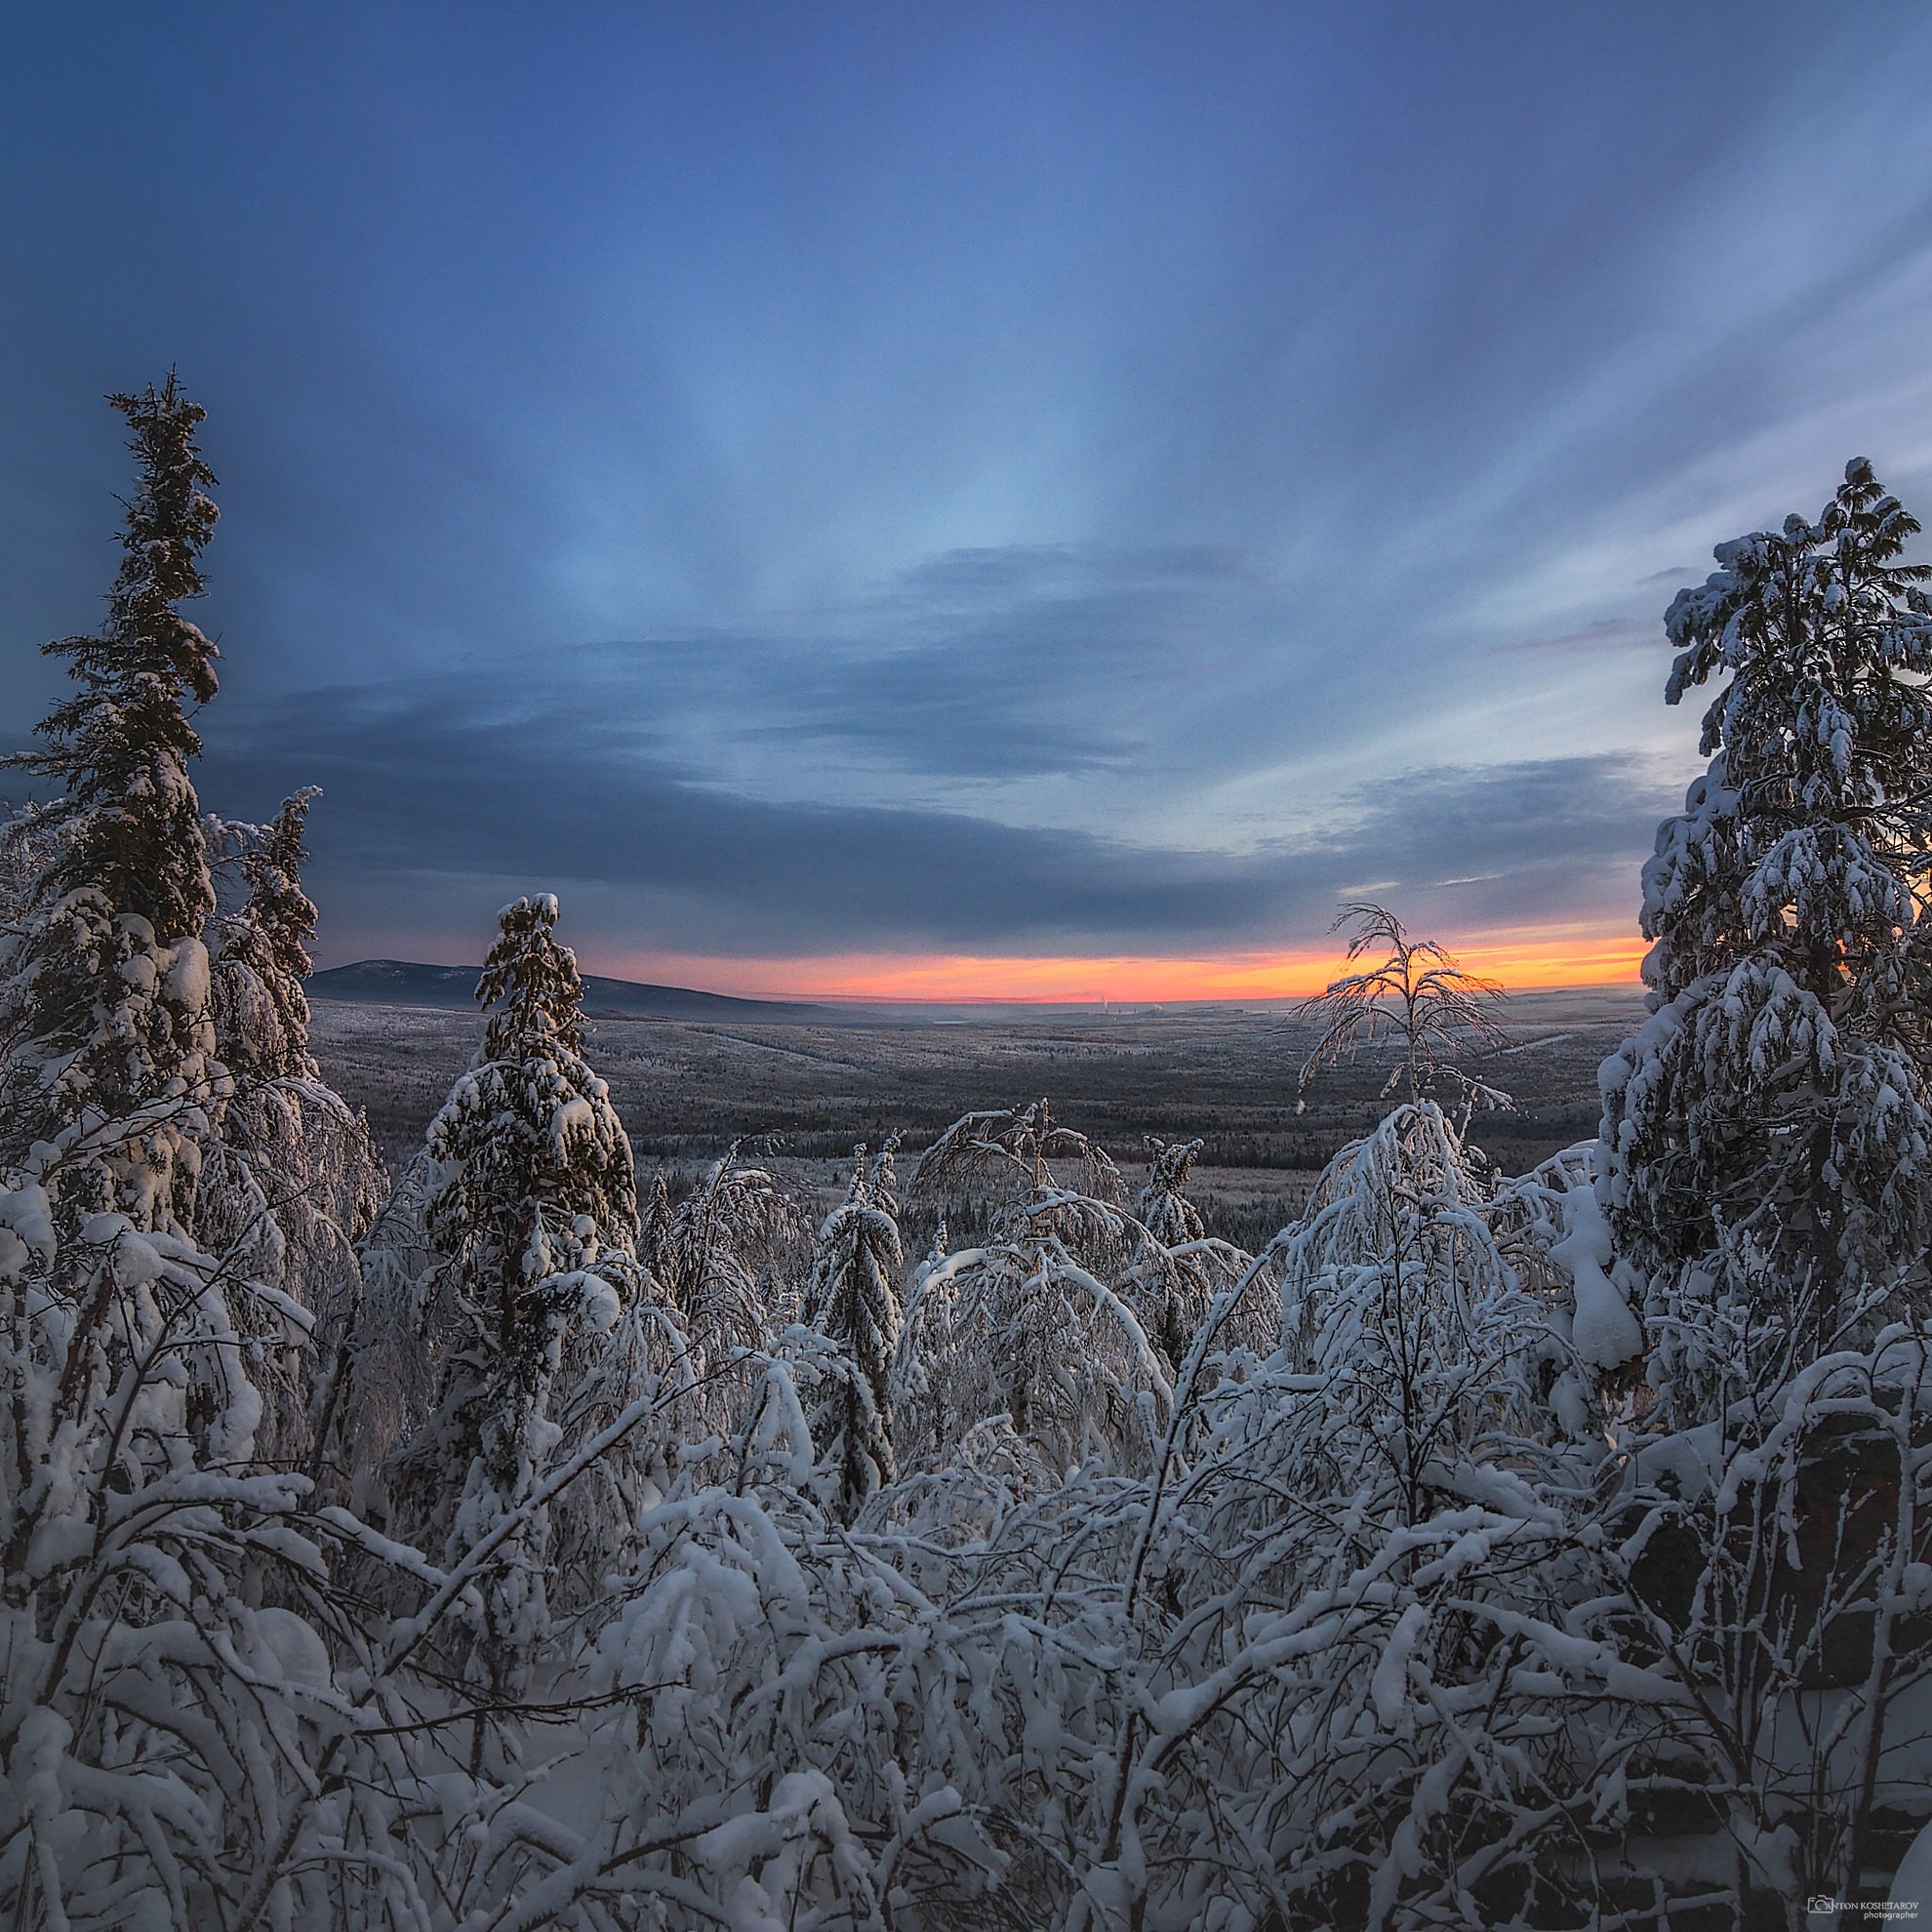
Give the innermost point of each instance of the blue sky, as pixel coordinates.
(833, 484)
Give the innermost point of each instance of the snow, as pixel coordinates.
(1912, 1884)
(1389, 1687)
(1605, 1331)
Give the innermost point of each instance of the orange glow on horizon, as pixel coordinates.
(1522, 960)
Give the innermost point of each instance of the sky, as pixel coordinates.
(946, 501)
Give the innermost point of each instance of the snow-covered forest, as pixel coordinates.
(511, 1541)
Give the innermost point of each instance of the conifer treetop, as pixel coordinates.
(540, 1177)
(1811, 833)
(105, 986)
(1166, 1211)
(853, 1301)
(120, 745)
(1814, 621)
(531, 983)
(269, 936)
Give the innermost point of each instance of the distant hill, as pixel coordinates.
(408, 982)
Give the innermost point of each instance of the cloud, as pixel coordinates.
(1591, 640)
(993, 664)
(439, 803)
(1003, 573)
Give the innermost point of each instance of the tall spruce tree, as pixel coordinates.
(853, 1301)
(105, 986)
(533, 1202)
(1768, 1133)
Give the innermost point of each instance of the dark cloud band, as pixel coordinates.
(434, 805)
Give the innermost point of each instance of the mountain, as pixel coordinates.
(408, 982)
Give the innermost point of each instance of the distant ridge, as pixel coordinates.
(408, 982)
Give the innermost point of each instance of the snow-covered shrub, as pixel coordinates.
(28, 836)
(1414, 999)
(715, 1252)
(778, 1738)
(1769, 1570)
(1549, 1224)
(170, 1696)
(1030, 1326)
(853, 1303)
(1397, 1297)
(1339, 1601)
(1290, 1670)
(203, 1717)
(389, 1367)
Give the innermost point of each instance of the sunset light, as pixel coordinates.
(1520, 959)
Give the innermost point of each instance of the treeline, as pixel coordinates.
(500, 1543)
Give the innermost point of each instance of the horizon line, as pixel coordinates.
(1525, 961)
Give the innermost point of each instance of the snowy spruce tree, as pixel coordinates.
(104, 983)
(532, 1200)
(853, 1303)
(1768, 1133)
(291, 1181)
(263, 960)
